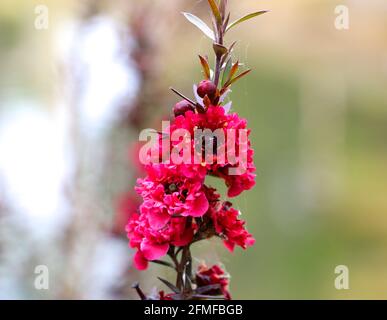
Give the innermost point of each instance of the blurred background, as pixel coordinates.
(76, 91)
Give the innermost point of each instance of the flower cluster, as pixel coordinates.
(179, 208)
(213, 119)
(176, 200)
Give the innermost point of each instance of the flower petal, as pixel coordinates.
(229, 245)
(184, 238)
(139, 261)
(158, 219)
(152, 251)
(250, 241)
(198, 206)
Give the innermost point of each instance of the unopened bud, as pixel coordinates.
(182, 107)
(206, 87)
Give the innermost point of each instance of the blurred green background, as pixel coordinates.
(317, 105)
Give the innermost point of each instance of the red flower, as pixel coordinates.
(153, 244)
(213, 276)
(242, 162)
(172, 190)
(230, 228)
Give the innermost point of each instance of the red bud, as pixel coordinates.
(182, 107)
(206, 87)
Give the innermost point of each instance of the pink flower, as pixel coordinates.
(223, 220)
(213, 276)
(172, 190)
(230, 228)
(215, 118)
(139, 261)
(153, 244)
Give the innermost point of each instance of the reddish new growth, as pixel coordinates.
(178, 208)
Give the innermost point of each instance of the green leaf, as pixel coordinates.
(163, 263)
(230, 50)
(200, 24)
(229, 83)
(226, 71)
(245, 18)
(169, 285)
(225, 23)
(215, 11)
(233, 70)
(206, 67)
(220, 50)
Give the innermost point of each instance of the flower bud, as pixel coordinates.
(182, 107)
(206, 87)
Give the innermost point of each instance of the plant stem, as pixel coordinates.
(141, 294)
(219, 40)
(181, 268)
(217, 71)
